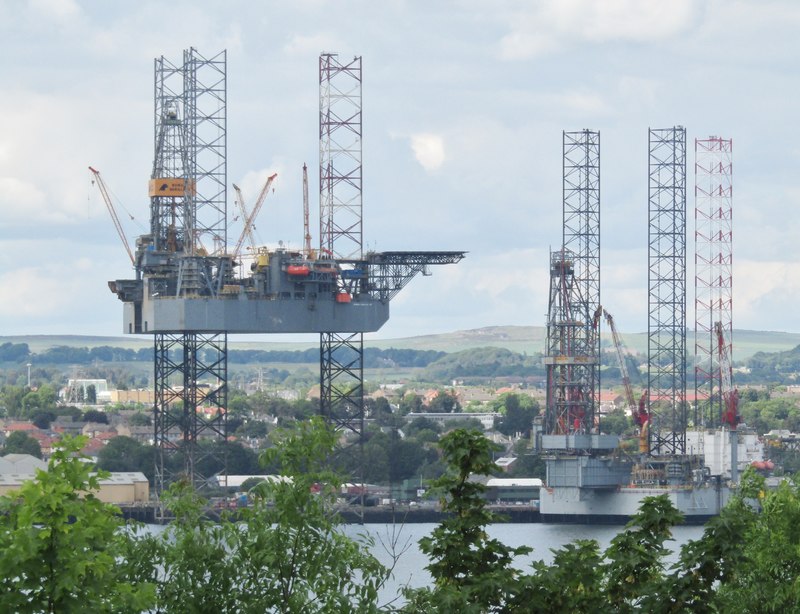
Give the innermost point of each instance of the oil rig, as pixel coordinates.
(588, 473)
(190, 290)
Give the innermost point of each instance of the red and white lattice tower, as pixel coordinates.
(713, 280)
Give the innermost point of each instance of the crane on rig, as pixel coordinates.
(619, 346)
(730, 398)
(730, 395)
(247, 231)
(638, 410)
(309, 253)
(239, 199)
(101, 185)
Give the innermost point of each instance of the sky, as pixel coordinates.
(464, 104)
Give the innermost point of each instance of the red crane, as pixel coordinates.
(730, 395)
(730, 398)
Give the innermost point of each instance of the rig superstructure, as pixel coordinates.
(589, 475)
(189, 291)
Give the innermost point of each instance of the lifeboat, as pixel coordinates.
(300, 270)
(343, 297)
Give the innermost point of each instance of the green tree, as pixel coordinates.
(140, 419)
(239, 404)
(765, 576)
(68, 410)
(518, 413)
(407, 457)
(471, 571)
(126, 454)
(253, 428)
(444, 403)
(42, 419)
(95, 415)
(422, 424)
(11, 400)
(379, 409)
(615, 422)
(637, 553)
(190, 561)
(60, 545)
(288, 554)
(411, 402)
(44, 398)
(20, 442)
(294, 556)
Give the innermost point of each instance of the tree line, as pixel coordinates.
(62, 550)
(62, 354)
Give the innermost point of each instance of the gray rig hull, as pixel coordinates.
(241, 314)
(571, 504)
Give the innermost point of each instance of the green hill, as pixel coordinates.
(521, 339)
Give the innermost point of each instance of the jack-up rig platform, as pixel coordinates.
(190, 289)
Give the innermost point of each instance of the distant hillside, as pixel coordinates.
(531, 340)
(521, 339)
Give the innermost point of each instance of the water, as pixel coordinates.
(409, 566)
(398, 545)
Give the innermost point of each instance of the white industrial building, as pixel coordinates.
(715, 446)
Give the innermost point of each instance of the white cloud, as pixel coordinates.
(484, 289)
(554, 24)
(766, 295)
(22, 291)
(21, 200)
(55, 9)
(586, 103)
(476, 147)
(637, 90)
(428, 150)
(300, 45)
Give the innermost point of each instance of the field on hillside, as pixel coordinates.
(522, 339)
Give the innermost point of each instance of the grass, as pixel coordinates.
(522, 339)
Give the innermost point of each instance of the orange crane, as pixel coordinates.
(638, 411)
(249, 219)
(619, 346)
(101, 185)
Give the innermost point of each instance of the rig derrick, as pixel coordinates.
(189, 291)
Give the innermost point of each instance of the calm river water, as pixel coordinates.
(410, 566)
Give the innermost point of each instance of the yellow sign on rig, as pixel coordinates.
(171, 186)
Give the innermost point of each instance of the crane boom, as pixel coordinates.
(101, 185)
(248, 223)
(306, 231)
(243, 210)
(730, 396)
(619, 346)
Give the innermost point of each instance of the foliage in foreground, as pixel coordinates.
(62, 550)
(746, 561)
(59, 544)
(285, 553)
